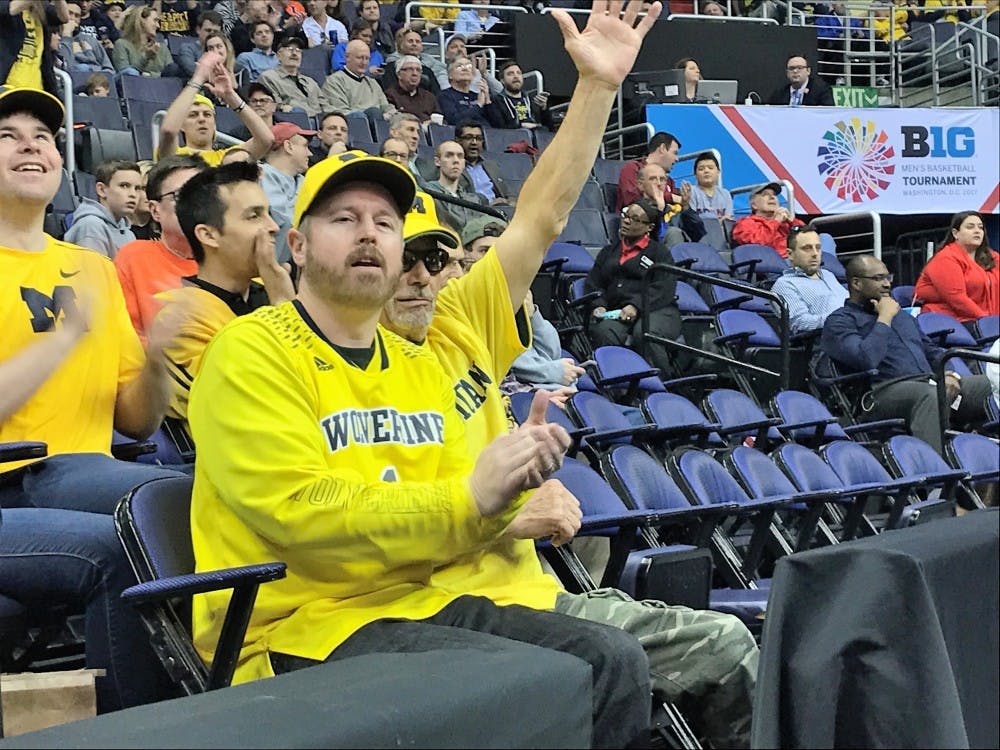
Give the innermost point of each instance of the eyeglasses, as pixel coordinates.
(879, 277)
(626, 216)
(172, 195)
(793, 68)
(395, 155)
(434, 260)
(471, 137)
(262, 100)
(463, 66)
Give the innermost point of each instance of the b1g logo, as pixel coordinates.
(856, 160)
(939, 142)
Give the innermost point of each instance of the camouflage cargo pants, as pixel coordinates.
(704, 661)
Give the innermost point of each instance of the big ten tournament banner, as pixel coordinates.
(894, 161)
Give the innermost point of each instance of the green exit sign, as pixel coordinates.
(855, 96)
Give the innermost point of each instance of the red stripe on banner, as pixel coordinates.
(768, 156)
(991, 202)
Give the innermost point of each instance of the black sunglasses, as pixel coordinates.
(434, 260)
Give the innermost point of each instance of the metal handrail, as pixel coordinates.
(834, 219)
(775, 299)
(407, 17)
(619, 132)
(69, 160)
(694, 155)
(741, 19)
(942, 390)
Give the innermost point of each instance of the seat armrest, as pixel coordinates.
(630, 377)
(201, 583)
(743, 336)
(131, 451)
(750, 426)
(22, 450)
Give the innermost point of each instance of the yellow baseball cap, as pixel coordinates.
(41, 104)
(422, 221)
(354, 166)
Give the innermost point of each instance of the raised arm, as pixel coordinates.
(170, 128)
(603, 54)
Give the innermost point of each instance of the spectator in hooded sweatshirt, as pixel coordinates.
(105, 225)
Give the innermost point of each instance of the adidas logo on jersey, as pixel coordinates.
(321, 365)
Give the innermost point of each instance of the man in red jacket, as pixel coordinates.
(769, 223)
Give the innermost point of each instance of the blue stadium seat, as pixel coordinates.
(153, 523)
(513, 166)
(316, 63)
(585, 227)
(498, 139)
(103, 112)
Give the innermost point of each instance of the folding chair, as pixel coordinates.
(607, 171)
(746, 337)
(705, 481)
(498, 139)
(763, 480)
(945, 331)
(909, 457)
(316, 63)
(609, 423)
(153, 523)
(513, 166)
(810, 473)
(359, 130)
(625, 375)
(701, 258)
(102, 112)
(438, 134)
(681, 422)
(979, 457)
(987, 330)
(859, 469)
(642, 483)
(806, 420)
(740, 418)
(604, 514)
(585, 227)
(832, 263)
(724, 298)
(758, 264)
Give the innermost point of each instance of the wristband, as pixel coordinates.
(195, 86)
(243, 105)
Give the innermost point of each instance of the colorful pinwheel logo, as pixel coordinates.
(855, 160)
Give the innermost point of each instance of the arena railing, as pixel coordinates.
(840, 227)
(69, 159)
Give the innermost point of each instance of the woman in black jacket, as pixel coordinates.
(619, 274)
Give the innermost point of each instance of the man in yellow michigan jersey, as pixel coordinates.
(334, 445)
(71, 368)
(223, 213)
(705, 661)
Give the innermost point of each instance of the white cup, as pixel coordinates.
(437, 118)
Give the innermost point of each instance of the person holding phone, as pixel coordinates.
(619, 275)
(513, 108)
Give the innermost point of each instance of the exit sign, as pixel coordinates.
(855, 96)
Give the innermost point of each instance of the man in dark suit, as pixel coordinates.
(803, 89)
(482, 175)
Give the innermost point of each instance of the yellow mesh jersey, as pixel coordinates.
(475, 338)
(207, 314)
(300, 459)
(73, 410)
(212, 158)
(26, 72)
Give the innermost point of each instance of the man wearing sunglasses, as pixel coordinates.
(476, 326)
(871, 332)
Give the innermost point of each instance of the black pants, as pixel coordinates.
(622, 692)
(665, 322)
